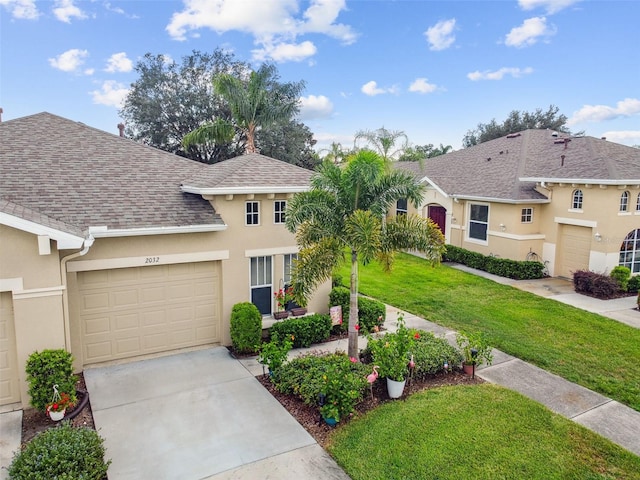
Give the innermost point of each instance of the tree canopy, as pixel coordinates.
(389, 144)
(516, 122)
(418, 153)
(345, 209)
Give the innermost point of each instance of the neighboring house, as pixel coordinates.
(571, 202)
(112, 249)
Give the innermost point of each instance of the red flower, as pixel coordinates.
(416, 336)
(357, 327)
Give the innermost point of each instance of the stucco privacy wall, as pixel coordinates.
(36, 294)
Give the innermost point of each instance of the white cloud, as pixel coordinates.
(551, 6)
(274, 24)
(499, 74)
(284, 52)
(111, 94)
(65, 10)
(440, 36)
(599, 113)
(21, 9)
(69, 61)
(421, 85)
(371, 88)
(315, 107)
(626, 137)
(531, 30)
(118, 62)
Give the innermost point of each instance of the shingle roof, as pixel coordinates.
(75, 176)
(508, 167)
(251, 172)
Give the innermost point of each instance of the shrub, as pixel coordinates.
(431, 353)
(595, 284)
(504, 267)
(370, 312)
(634, 284)
(621, 275)
(305, 377)
(46, 369)
(305, 330)
(336, 280)
(246, 327)
(391, 352)
(64, 452)
(343, 387)
(274, 354)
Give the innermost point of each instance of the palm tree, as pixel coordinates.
(256, 103)
(382, 141)
(344, 209)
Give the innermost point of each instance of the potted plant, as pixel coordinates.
(59, 404)
(391, 352)
(283, 296)
(475, 351)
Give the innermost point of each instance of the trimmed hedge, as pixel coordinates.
(634, 284)
(305, 330)
(245, 327)
(595, 284)
(46, 369)
(371, 312)
(503, 267)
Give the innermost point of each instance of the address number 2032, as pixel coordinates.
(149, 260)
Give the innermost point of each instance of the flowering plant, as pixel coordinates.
(392, 351)
(283, 296)
(61, 403)
(274, 353)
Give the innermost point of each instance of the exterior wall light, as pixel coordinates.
(598, 237)
(503, 227)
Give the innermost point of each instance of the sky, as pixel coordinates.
(431, 69)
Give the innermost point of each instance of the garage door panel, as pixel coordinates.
(148, 310)
(9, 387)
(576, 246)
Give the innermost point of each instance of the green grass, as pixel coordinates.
(480, 432)
(588, 349)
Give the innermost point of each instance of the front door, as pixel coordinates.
(438, 215)
(261, 283)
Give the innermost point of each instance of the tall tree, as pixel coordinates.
(344, 209)
(383, 142)
(420, 152)
(170, 100)
(516, 122)
(290, 141)
(256, 102)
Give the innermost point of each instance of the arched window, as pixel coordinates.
(630, 251)
(576, 203)
(624, 202)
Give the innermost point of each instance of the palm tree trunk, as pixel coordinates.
(251, 138)
(353, 307)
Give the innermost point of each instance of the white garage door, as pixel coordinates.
(9, 391)
(576, 246)
(127, 312)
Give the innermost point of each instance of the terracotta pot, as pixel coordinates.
(298, 311)
(468, 369)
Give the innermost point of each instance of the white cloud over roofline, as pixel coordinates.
(21, 9)
(422, 85)
(313, 106)
(284, 52)
(440, 36)
(527, 34)
(65, 10)
(626, 137)
(372, 89)
(111, 93)
(69, 61)
(599, 113)
(551, 6)
(499, 74)
(118, 62)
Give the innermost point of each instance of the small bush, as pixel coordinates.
(369, 310)
(246, 327)
(46, 369)
(305, 330)
(336, 280)
(595, 284)
(634, 284)
(621, 275)
(274, 354)
(431, 353)
(64, 452)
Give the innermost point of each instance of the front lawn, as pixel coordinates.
(480, 432)
(588, 349)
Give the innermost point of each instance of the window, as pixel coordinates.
(252, 210)
(289, 260)
(279, 206)
(261, 283)
(638, 203)
(624, 202)
(401, 207)
(630, 251)
(527, 215)
(576, 203)
(479, 222)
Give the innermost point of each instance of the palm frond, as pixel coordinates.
(315, 265)
(364, 234)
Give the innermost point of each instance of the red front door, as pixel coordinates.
(438, 215)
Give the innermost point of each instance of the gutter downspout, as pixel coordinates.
(65, 295)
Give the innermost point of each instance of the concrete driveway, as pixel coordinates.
(199, 415)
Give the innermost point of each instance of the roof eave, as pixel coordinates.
(244, 190)
(590, 181)
(105, 232)
(65, 240)
(499, 200)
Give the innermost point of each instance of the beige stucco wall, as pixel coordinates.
(35, 285)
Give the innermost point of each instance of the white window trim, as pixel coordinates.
(469, 220)
(530, 215)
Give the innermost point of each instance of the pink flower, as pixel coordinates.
(353, 360)
(357, 327)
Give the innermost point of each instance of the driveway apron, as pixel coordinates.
(191, 416)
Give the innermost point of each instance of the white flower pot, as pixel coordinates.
(395, 388)
(56, 416)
